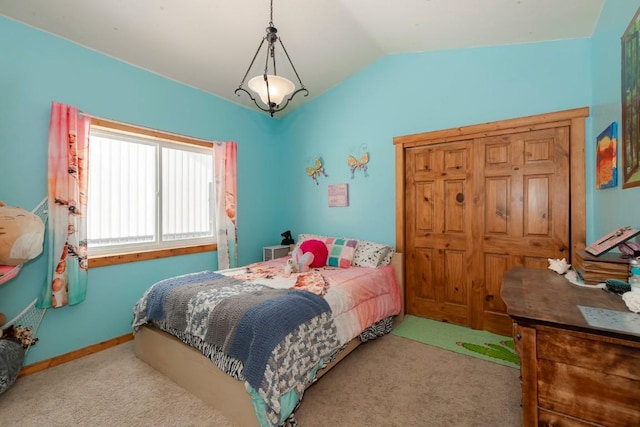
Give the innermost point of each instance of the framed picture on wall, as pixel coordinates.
(606, 153)
(631, 103)
(338, 195)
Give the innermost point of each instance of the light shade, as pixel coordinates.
(279, 87)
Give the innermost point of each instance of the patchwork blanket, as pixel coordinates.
(274, 339)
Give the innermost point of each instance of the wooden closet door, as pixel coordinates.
(474, 201)
(474, 210)
(438, 231)
(522, 183)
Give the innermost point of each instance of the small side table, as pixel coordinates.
(273, 252)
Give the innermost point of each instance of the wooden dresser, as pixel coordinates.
(573, 373)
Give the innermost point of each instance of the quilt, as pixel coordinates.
(271, 330)
(358, 296)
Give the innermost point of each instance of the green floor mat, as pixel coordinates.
(481, 344)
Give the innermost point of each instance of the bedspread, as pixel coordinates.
(358, 296)
(264, 327)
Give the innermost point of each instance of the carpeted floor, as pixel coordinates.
(388, 382)
(481, 344)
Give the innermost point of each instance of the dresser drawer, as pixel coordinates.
(553, 419)
(593, 352)
(589, 395)
(582, 376)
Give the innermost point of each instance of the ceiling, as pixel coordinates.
(208, 44)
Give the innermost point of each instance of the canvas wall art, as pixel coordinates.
(630, 132)
(606, 156)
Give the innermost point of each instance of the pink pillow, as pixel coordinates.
(319, 251)
(340, 252)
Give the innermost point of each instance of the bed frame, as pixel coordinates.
(193, 371)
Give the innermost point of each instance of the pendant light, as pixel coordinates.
(274, 91)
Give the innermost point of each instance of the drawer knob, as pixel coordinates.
(518, 336)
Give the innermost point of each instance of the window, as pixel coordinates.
(148, 191)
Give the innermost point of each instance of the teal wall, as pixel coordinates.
(413, 93)
(397, 95)
(36, 68)
(613, 207)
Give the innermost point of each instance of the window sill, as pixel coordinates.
(104, 260)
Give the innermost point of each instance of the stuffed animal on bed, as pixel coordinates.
(309, 254)
(299, 262)
(21, 235)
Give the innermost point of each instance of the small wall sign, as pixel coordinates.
(338, 195)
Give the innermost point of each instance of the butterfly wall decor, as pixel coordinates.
(316, 170)
(356, 165)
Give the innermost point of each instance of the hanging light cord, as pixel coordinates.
(271, 15)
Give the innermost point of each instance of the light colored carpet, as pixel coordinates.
(392, 381)
(483, 344)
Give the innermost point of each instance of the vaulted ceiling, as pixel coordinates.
(208, 44)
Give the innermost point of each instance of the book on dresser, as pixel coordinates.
(597, 269)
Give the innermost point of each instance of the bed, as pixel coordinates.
(293, 328)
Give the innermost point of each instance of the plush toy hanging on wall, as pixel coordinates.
(21, 239)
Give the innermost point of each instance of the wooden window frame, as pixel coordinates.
(126, 257)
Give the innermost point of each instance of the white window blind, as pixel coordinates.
(187, 187)
(147, 193)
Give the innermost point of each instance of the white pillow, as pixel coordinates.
(371, 254)
(387, 258)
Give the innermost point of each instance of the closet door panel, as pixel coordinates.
(525, 186)
(439, 267)
(497, 205)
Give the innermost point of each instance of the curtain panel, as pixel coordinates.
(225, 182)
(68, 151)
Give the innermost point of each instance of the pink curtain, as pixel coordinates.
(225, 193)
(67, 196)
